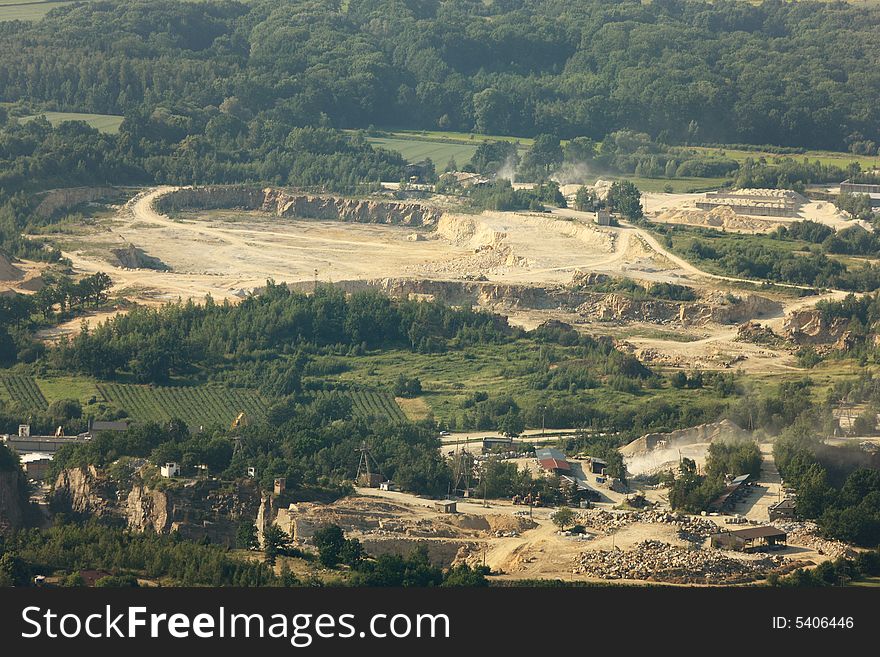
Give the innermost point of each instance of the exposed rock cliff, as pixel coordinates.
(809, 327)
(283, 203)
(365, 211)
(13, 500)
(195, 508)
(85, 491)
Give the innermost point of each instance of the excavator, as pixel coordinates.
(239, 421)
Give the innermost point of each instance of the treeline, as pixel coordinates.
(746, 257)
(153, 344)
(186, 145)
(67, 548)
(838, 487)
(311, 443)
(586, 68)
(23, 312)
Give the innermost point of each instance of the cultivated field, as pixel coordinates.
(369, 404)
(108, 123)
(27, 10)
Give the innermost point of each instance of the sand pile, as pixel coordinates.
(722, 217)
(8, 271)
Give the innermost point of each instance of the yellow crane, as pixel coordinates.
(239, 421)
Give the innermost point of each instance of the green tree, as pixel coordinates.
(275, 541)
(563, 517)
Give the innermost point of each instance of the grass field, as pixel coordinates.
(108, 123)
(825, 157)
(416, 150)
(507, 369)
(26, 10)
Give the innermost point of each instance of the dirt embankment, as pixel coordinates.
(59, 199)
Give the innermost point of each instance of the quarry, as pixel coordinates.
(168, 243)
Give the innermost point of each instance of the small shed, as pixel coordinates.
(446, 506)
(782, 510)
(170, 470)
(603, 217)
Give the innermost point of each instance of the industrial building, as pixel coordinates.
(730, 495)
(753, 538)
(871, 190)
(552, 460)
(756, 202)
(493, 444)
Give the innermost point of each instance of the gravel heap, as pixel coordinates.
(662, 562)
(807, 534)
(694, 529)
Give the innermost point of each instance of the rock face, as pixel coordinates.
(809, 327)
(283, 203)
(13, 501)
(195, 508)
(148, 510)
(365, 211)
(84, 491)
(64, 198)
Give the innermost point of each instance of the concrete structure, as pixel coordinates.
(100, 425)
(603, 217)
(871, 190)
(170, 470)
(370, 479)
(280, 485)
(446, 506)
(25, 443)
(491, 444)
(755, 202)
(36, 465)
(388, 485)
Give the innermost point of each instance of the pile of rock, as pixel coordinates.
(807, 535)
(690, 528)
(662, 562)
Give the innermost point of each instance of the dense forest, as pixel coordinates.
(796, 74)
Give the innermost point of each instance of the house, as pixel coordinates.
(552, 460)
(170, 470)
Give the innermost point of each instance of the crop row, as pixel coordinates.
(369, 403)
(195, 405)
(25, 392)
